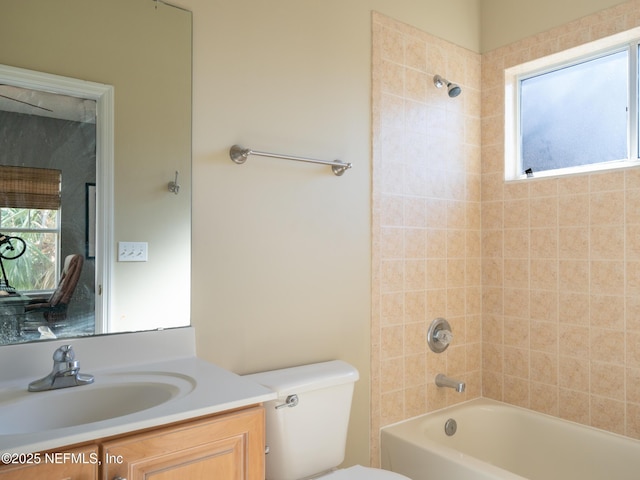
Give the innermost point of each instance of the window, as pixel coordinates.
(573, 112)
(29, 209)
(36, 269)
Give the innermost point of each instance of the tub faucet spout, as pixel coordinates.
(444, 381)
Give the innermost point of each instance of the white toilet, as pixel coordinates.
(307, 424)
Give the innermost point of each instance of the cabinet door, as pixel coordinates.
(76, 464)
(226, 447)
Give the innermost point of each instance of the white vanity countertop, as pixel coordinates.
(211, 390)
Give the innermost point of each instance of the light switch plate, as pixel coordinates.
(133, 251)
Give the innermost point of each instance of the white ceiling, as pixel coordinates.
(44, 104)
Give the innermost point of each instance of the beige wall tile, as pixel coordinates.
(632, 200)
(517, 213)
(544, 305)
(416, 53)
(544, 368)
(573, 373)
(543, 212)
(573, 210)
(633, 385)
(573, 242)
(607, 311)
(544, 398)
(574, 340)
(391, 342)
(632, 241)
(607, 208)
(427, 229)
(544, 336)
(607, 242)
(544, 242)
(574, 308)
(516, 362)
(574, 406)
(573, 185)
(607, 380)
(516, 302)
(633, 420)
(607, 346)
(608, 414)
(516, 333)
(516, 243)
(516, 391)
(607, 277)
(633, 349)
(544, 274)
(574, 275)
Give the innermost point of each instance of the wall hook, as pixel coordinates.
(173, 186)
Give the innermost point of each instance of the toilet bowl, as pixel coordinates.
(306, 426)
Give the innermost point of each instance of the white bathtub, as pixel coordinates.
(498, 441)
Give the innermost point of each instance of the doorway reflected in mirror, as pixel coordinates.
(47, 157)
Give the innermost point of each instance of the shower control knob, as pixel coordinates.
(439, 336)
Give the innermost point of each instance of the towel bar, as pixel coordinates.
(239, 155)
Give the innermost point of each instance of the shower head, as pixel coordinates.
(452, 89)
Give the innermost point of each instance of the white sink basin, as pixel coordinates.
(110, 396)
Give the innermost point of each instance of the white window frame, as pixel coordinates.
(512, 149)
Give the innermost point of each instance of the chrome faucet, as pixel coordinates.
(444, 381)
(65, 373)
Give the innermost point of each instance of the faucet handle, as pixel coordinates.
(64, 354)
(444, 336)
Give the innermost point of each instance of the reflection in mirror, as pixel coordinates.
(47, 205)
(143, 52)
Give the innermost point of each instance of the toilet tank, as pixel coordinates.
(310, 437)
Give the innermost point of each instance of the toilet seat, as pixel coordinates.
(358, 472)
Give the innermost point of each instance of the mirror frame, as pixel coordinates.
(103, 95)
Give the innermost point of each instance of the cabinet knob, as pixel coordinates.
(119, 478)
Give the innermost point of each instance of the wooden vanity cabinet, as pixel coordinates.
(80, 463)
(225, 447)
(228, 446)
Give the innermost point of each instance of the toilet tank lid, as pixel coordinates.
(303, 378)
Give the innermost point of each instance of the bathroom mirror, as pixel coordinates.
(141, 49)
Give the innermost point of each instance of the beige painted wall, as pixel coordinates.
(281, 260)
(505, 21)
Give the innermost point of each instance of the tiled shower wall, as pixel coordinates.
(548, 282)
(426, 222)
(561, 265)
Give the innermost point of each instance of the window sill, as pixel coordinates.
(581, 170)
